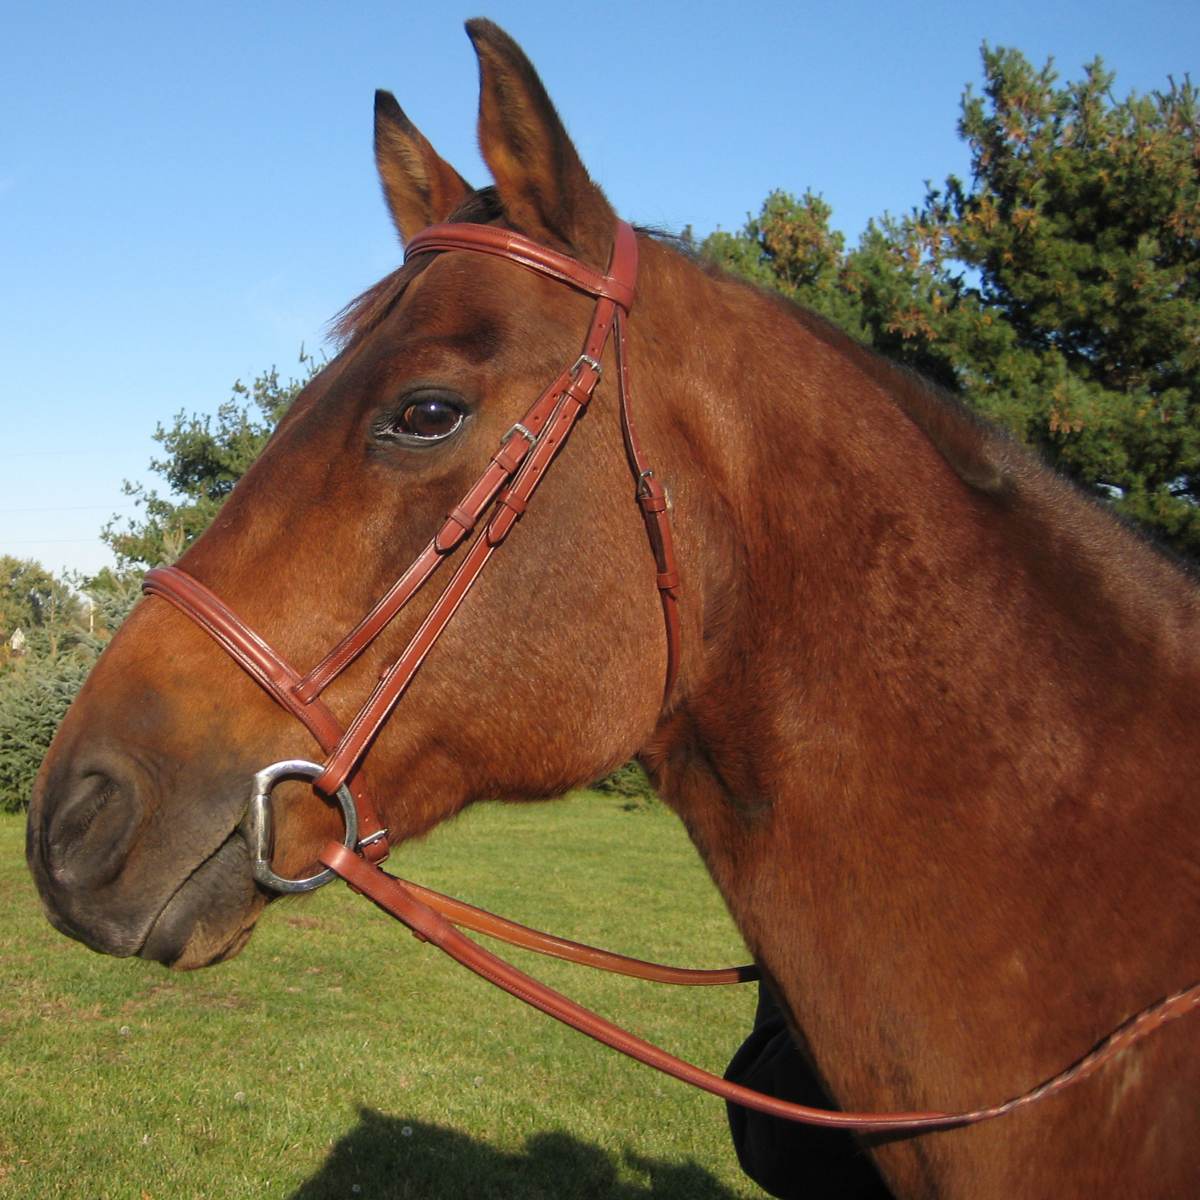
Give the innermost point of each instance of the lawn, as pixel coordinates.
(338, 1057)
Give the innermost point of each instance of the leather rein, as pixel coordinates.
(498, 499)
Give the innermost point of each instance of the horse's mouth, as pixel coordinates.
(211, 914)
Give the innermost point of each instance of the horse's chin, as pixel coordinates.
(210, 916)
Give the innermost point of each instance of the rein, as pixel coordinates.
(429, 921)
(498, 499)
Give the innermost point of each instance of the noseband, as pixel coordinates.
(498, 498)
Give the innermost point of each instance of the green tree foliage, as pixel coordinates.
(42, 607)
(1058, 290)
(204, 456)
(113, 595)
(790, 246)
(38, 681)
(34, 697)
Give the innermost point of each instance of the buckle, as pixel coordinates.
(518, 428)
(586, 360)
(645, 492)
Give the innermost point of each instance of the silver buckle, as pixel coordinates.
(588, 361)
(643, 490)
(257, 828)
(518, 428)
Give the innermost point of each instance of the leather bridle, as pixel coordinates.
(498, 499)
(501, 495)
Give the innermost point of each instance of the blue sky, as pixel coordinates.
(187, 191)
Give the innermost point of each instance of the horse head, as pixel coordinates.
(549, 675)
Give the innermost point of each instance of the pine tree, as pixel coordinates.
(34, 697)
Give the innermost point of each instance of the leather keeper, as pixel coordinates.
(508, 458)
(581, 393)
(456, 528)
(512, 501)
(500, 526)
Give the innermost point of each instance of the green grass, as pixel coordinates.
(338, 1057)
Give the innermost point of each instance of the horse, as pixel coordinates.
(931, 727)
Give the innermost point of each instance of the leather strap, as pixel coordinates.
(467, 916)
(399, 900)
(655, 505)
(617, 285)
(273, 675)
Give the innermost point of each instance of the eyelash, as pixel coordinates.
(404, 423)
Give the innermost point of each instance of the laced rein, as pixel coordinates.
(504, 490)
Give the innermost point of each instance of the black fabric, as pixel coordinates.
(786, 1159)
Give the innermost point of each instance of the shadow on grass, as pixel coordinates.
(379, 1160)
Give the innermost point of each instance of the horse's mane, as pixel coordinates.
(984, 456)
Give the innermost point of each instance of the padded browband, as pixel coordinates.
(617, 285)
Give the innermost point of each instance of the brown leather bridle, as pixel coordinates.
(504, 491)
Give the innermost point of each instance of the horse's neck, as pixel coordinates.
(937, 746)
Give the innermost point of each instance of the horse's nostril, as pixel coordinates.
(89, 832)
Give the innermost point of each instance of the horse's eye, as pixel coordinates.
(429, 419)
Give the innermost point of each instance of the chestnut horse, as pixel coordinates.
(934, 723)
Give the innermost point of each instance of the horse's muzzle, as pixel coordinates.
(125, 874)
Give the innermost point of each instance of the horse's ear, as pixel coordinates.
(541, 182)
(420, 187)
